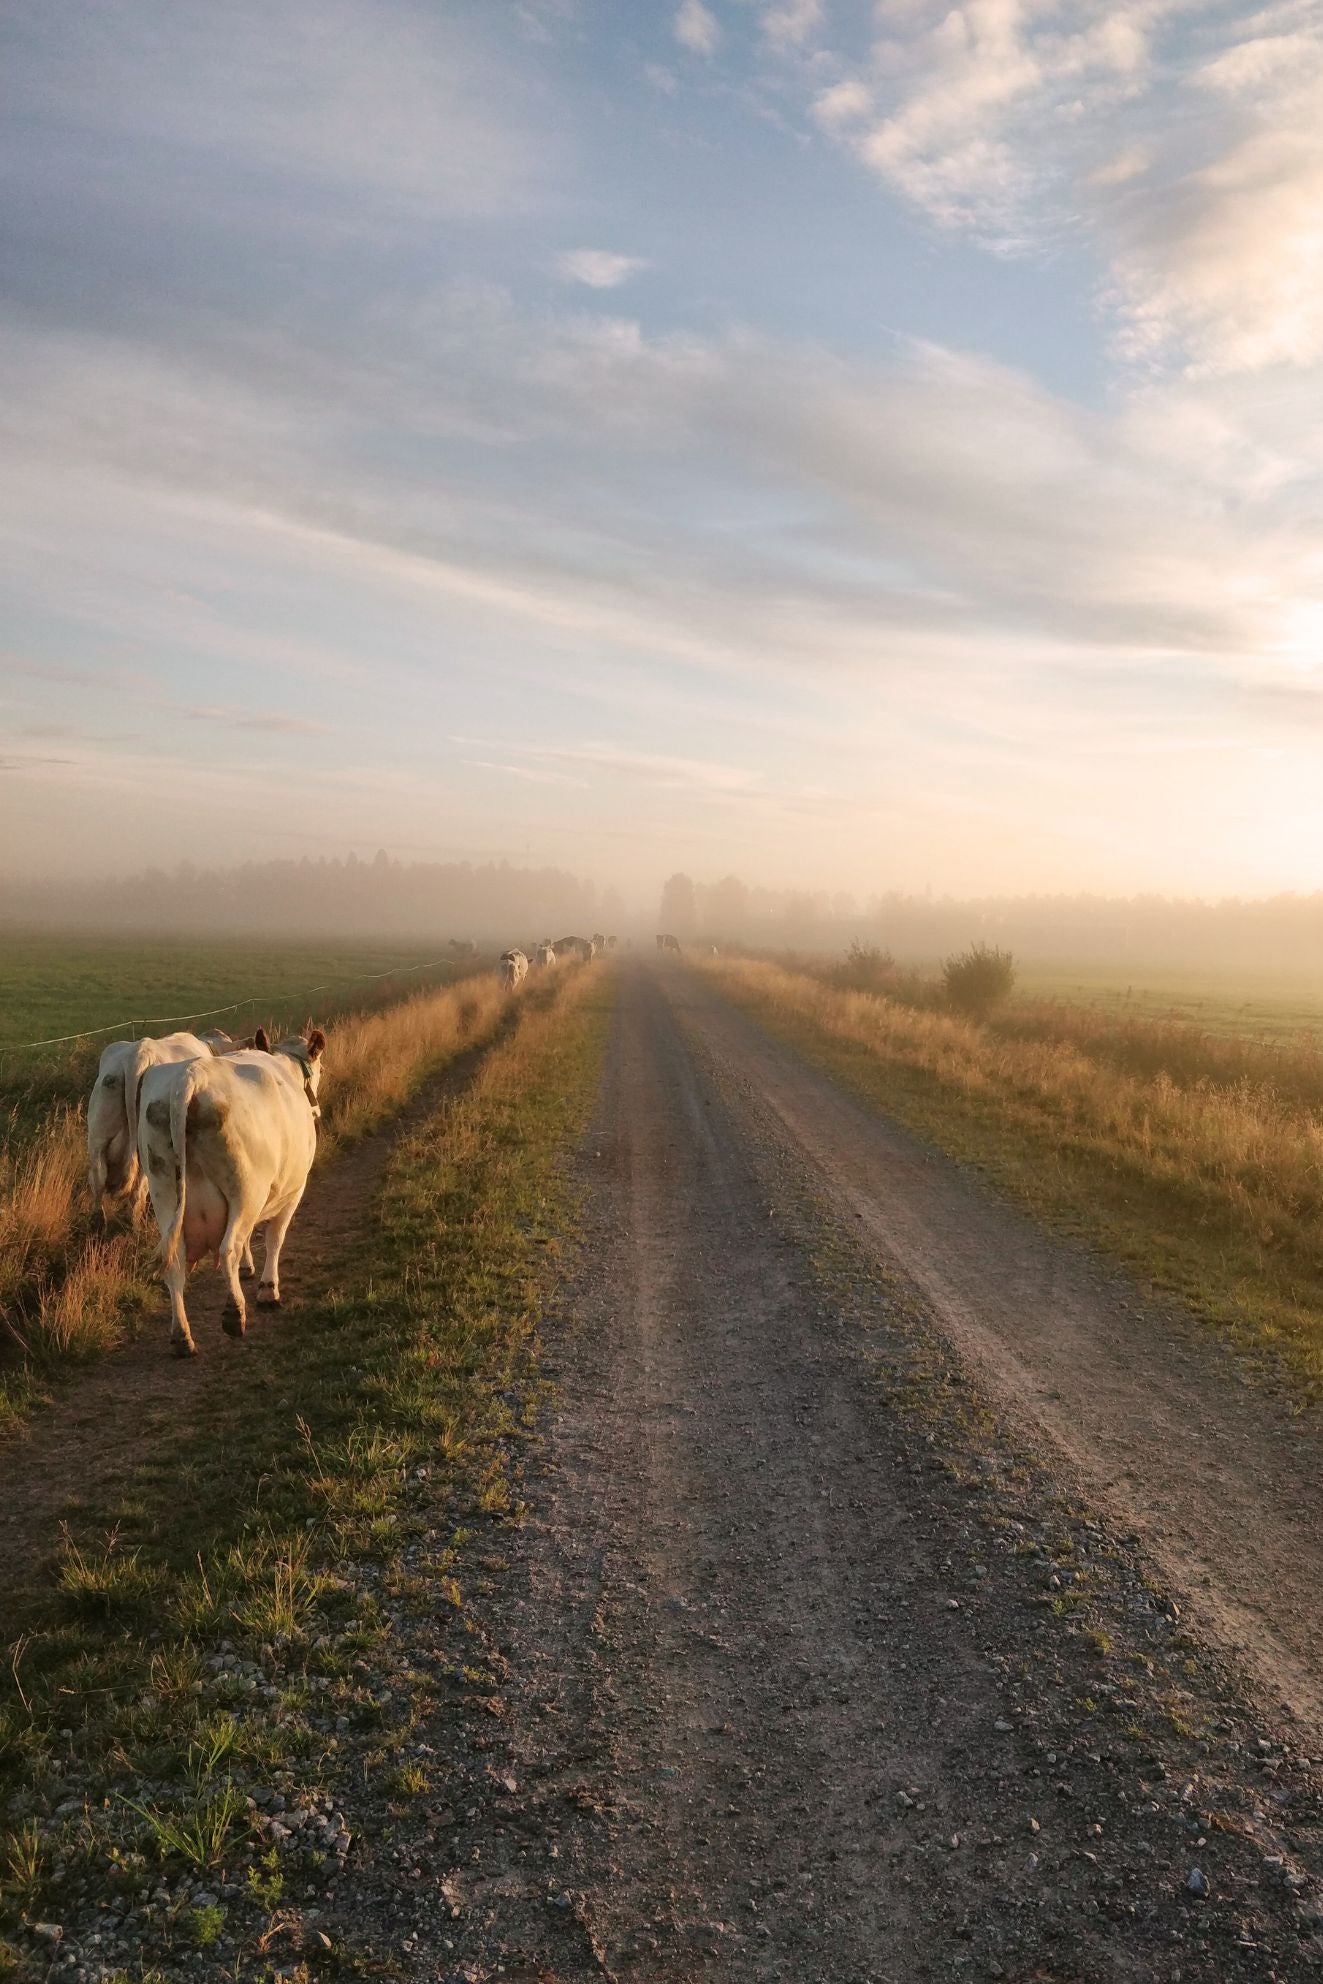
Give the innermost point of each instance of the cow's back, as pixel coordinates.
(249, 1127)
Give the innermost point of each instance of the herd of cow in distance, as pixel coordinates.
(220, 1134)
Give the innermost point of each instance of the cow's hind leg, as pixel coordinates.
(273, 1239)
(181, 1336)
(233, 1249)
(248, 1267)
(163, 1186)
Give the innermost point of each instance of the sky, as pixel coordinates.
(857, 446)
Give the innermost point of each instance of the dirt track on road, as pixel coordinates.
(810, 1674)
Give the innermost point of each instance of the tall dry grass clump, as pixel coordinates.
(1224, 1177)
(375, 1060)
(1189, 1055)
(66, 1288)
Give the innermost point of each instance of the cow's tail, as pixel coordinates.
(181, 1097)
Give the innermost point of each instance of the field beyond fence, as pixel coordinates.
(1195, 1157)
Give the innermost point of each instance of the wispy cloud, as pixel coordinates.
(399, 103)
(598, 268)
(530, 775)
(696, 27)
(276, 721)
(1221, 261)
(1189, 140)
(791, 24)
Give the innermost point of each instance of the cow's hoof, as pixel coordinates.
(232, 1322)
(267, 1297)
(183, 1346)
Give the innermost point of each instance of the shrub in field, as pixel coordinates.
(869, 968)
(866, 968)
(978, 979)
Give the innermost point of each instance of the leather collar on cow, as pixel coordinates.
(305, 1075)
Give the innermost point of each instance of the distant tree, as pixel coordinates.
(726, 908)
(978, 979)
(679, 910)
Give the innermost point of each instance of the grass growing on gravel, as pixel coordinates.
(1213, 1190)
(226, 1630)
(68, 1290)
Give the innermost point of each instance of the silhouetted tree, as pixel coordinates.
(679, 907)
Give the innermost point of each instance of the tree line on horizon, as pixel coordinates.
(1280, 934)
(424, 901)
(419, 901)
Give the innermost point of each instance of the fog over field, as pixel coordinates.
(851, 448)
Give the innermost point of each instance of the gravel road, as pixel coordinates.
(843, 1638)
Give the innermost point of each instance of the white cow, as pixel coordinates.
(545, 954)
(227, 1145)
(112, 1111)
(514, 969)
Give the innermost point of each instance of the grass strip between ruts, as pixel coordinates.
(216, 1629)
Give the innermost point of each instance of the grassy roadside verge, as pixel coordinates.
(69, 1290)
(191, 1724)
(1211, 1192)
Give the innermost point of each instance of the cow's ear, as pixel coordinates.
(261, 1040)
(316, 1043)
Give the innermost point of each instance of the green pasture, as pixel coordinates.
(52, 985)
(1258, 1008)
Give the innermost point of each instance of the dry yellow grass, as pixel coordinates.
(66, 1289)
(1213, 1188)
(375, 1060)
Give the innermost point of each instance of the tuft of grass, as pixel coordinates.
(216, 1742)
(22, 1858)
(199, 1834)
(409, 1781)
(1210, 1188)
(106, 1583)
